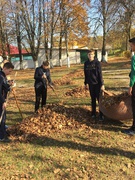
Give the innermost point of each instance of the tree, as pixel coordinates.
(55, 13)
(32, 23)
(45, 28)
(3, 29)
(15, 17)
(127, 14)
(73, 23)
(104, 14)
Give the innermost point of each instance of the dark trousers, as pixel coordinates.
(133, 104)
(41, 95)
(2, 123)
(94, 93)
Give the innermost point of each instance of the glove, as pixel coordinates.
(86, 87)
(102, 87)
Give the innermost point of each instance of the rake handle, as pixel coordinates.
(17, 103)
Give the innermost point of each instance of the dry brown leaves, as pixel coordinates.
(53, 118)
(108, 101)
(67, 79)
(78, 92)
(77, 73)
(62, 81)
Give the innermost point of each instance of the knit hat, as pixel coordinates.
(132, 40)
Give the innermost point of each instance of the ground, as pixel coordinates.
(62, 142)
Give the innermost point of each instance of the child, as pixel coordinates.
(42, 75)
(93, 77)
(131, 90)
(2, 64)
(4, 88)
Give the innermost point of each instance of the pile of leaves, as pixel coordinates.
(78, 73)
(67, 79)
(78, 92)
(52, 118)
(109, 101)
(62, 81)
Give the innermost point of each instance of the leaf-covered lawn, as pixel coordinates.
(62, 142)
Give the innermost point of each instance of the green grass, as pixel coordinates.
(99, 151)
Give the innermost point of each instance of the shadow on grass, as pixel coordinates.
(14, 116)
(46, 141)
(17, 117)
(116, 65)
(81, 115)
(117, 89)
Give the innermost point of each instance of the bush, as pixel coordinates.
(116, 53)
(127, 54)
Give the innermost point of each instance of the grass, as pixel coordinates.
(99, 151)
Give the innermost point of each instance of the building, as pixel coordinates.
(74, 58)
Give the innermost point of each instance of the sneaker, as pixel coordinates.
(129, 131)
(93, 116)
(6, 127)
(5, 140)
(101, 118)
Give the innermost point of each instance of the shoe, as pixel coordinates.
(6, 127)
(5, 140)
(7, 133)
(93, 116)
(101, 118)
(130, 131)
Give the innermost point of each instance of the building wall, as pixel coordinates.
(26, 64)
(74, 58)
(99, 55)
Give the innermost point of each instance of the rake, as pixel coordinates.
(1, 116)
(17, 103)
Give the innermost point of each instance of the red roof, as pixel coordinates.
(14, 50)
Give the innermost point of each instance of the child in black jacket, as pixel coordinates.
(41, 76)
(94, 80)
(4, 88)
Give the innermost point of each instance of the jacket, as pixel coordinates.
(4, 87)
(132, 73)
(93, 72)
(39, 81)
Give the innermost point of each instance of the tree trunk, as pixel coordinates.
(104, 34)
(60, 48)
(51, 64)
(3, 42)
(35, 64)
(20, 51)
(66, 41)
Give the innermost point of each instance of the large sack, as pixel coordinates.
(116, 107)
